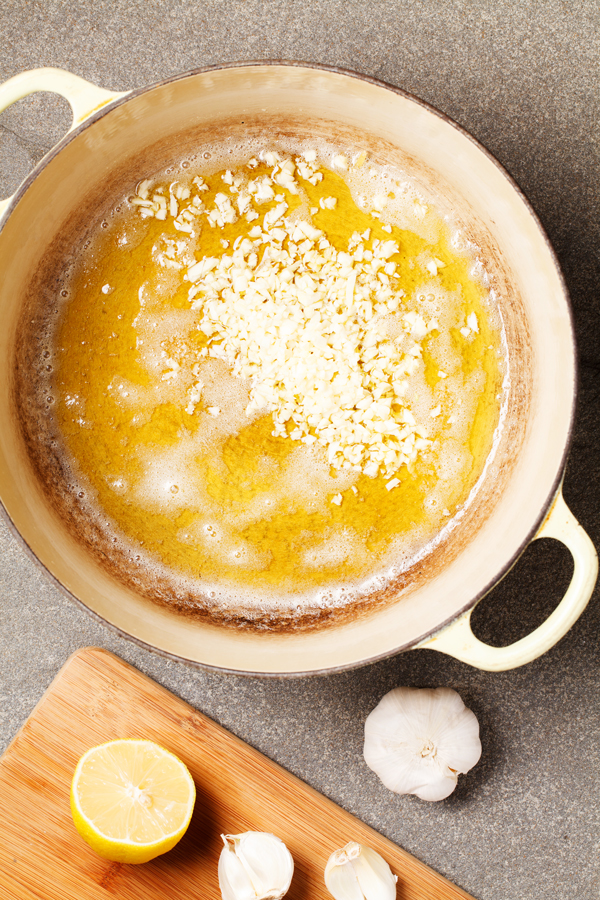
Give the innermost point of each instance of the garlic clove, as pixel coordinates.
(341, 881)
(255, 865)
(234, 882)
(374, 875)
(357, 872)
(418, 741)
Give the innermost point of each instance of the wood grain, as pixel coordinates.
(96, 697)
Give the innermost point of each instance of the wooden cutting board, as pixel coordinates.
(96, 697)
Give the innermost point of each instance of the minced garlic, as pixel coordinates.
(306, 322)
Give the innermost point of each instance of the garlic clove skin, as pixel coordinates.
(418, 741)
(255, 865)
(357, 872)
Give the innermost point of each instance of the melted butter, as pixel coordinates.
(221, 499)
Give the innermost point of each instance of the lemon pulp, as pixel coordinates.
(131, 800)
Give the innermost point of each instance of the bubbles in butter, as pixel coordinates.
(208, 500)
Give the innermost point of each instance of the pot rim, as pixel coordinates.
(555, 486)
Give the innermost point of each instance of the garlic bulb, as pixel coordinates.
(254, 866)
(358, 873)
(419, 740)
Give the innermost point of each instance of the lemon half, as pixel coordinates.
(131, 800)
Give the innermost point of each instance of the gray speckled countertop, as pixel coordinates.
(523, 77)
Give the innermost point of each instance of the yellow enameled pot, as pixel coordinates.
(116, 135)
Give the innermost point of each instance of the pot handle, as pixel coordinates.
(84, 98)
(458, 640)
